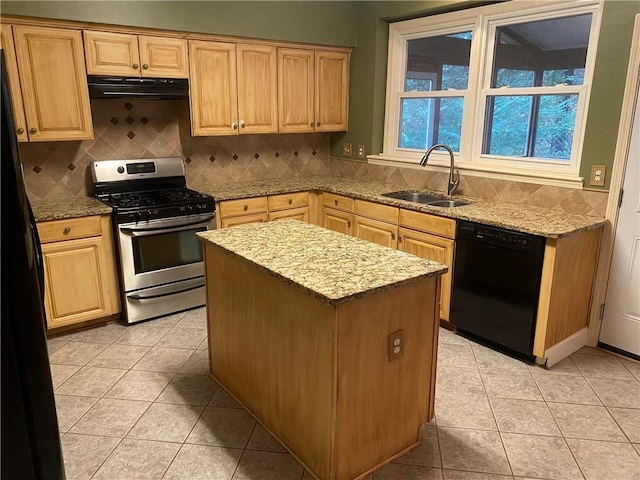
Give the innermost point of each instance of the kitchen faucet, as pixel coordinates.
(454, 177)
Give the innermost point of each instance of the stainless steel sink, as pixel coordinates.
(417, 197)
(448, 203)
(425, 199)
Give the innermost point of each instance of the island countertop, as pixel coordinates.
(331, 266)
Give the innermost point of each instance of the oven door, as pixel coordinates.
(163, 251)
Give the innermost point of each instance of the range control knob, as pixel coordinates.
(120, 169)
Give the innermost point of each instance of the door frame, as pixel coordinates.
(620, 158)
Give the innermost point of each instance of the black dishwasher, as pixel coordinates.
(496, 285)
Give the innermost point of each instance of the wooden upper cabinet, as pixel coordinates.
(331, 91)
(14, 82)
(111, 53)
(54, 83)
(135, 55)
(257, 89)
(163, 57)
(295, 90)
(213, 93)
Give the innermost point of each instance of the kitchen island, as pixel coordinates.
(329, 341)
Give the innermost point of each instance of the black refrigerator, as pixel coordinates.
(30, 440)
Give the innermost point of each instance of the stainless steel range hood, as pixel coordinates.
(126, 87)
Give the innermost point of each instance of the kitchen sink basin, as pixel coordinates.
(447, 203)
(425, 199)
(417, 197)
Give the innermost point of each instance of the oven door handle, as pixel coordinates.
(137, 296)
(174, 227)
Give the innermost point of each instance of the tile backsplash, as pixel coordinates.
(127, 129)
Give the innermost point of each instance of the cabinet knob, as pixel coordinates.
(145, 66)
(135, 66)
(318, 124)
(290, 201)
(335, 202)
(393, 236)
(33, 130)
(66, 230)
(399, 239)
(312, 124)
(242, 124)
(234, 125)
(246, 207)
(20, 131)
(349, 223)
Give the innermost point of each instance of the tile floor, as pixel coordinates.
(135, 403)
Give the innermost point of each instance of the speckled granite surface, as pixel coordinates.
(331, 266)
(527, 219)
(67, 208)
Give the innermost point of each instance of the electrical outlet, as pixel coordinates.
(360, 151)
(346, 149)
(396, 345)
(597, 175)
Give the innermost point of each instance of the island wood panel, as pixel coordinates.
(301, 213)
(11, 63)
(565, 289)
(163, 57)
(338, 220)
(381, 403)
(279, 363)
(424, 222)
(257, 89)
(382, 233)
(438, 249)
(295, 90)
(243, 220)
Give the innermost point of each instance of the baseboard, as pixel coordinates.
(566, 347)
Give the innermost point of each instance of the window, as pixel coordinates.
(506, 87)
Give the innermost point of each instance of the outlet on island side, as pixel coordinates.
(346, 149)
(597, 175)
(396, 345)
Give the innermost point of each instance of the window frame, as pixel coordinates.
(483, 22)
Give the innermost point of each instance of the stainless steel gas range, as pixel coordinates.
(155, 219)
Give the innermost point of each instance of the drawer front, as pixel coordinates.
(244, 219)
(339, 202)
(445, 227)
(244, 206)
(377, 211)
(288, 200)
(301, 214)
(69, 229)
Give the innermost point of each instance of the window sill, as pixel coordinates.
(539, 178)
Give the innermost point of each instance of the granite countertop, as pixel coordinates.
(44, 210)
(523, 218)
(328, 265)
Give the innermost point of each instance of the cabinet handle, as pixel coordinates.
(20, 131)
(312, 124)
(242, 124)
(399, 239)
(349, 223)
(135, 66)
(335, 202)
(246, 207)
(318, 124)
(145, 66)
(66, 230)
(393, 236)
(290, 201)
(33, 130)
(234, 125)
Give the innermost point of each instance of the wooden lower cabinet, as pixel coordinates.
(301, 214)
(80, 273)
(376, 231)
(434, 248)
(338, 220)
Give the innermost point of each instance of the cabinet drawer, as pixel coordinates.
(244, 206)
(301, 214)
(288, 200)
(445, 227)
(244, 219)
(69, 229)
(337, 201)
(377, 211)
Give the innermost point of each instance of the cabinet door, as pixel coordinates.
(301, 214)
(14, 82)
(244, 219)
(337, 220)
(111, 53)
(257, 89)
(295, 90)
(75, 290)
(213, 90)
(163, 57)
(375, 231)
(433, 248)
(54, 83)
(332, 91)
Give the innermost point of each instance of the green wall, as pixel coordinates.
(369, 66)
(319, 22)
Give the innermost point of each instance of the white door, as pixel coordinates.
(621, 322)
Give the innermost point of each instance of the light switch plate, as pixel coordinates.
(346, 149)
(597, 175)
